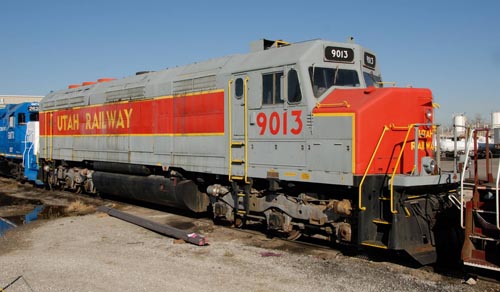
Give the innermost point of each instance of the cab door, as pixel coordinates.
(277, 123)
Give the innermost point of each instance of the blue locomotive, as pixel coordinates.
(19, 131)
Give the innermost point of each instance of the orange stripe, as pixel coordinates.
(183, 115)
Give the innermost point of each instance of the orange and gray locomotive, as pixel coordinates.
(302, 136)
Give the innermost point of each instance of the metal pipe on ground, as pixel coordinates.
(167, 230)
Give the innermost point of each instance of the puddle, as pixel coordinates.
(19, 211)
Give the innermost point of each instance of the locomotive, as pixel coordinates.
(19, 141)
(302, 136)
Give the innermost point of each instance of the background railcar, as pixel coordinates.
(19, 140)
(301, 136)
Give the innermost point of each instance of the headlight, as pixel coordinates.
(428, 115)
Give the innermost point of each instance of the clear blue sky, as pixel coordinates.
(449, 46)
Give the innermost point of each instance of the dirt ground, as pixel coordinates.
(96, 252)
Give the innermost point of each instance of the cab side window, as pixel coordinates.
(271, 88)
(33, 117)
(21, 118)
(294, 92)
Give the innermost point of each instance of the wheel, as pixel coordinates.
(294, 235)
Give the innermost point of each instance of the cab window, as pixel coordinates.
(372, 80)
(324, 78)
(238, 88)
(271, 88)
(294, 92)
(21, 118)
(33, 117)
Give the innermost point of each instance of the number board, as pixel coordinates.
(339, 54)
(32, 108)
(370, 60)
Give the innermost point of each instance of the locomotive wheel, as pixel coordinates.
(294, 235)
(238, 222)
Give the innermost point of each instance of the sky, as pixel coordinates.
(449, 46)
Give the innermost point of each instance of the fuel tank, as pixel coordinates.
(172, 192)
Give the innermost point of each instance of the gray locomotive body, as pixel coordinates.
(301, 136)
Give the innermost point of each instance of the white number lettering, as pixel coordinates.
(341, 54)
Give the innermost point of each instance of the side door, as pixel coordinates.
(238, 127)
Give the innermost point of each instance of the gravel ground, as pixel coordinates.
(100, 253)
(96, 252)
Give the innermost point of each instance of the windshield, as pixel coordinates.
(324, 78)
(372, 80)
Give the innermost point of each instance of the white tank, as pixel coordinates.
(459, 123)
(495, 120)
(497, 136)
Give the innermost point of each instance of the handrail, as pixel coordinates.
(497, 199)
(245, 108)
(45, 136)
(25, 141)
(360, 205)
(462, 178)
(51, 136)
(339, 104)
(393, 83)
(230, 129)
(396, 167)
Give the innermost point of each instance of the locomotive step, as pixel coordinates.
(484, 211)
(381, 221)
(474, 236)
(374, 243)
(237, 144)
(481, 264)
(238, 161)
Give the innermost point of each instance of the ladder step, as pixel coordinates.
(484, 211)
(241, 195)
(238, 161)
(381, 221)
(242, 212)
(384, 198)
(237, 144)
(237, 177)
(374, 243)
(484, 238)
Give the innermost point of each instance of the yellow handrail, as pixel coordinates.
(339, 104)
(245, 100)
(360, 205)
(397, 164)
(51, 126)
(230, 129)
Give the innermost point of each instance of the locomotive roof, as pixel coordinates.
(179, 79)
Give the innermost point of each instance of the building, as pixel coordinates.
(15, 99)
